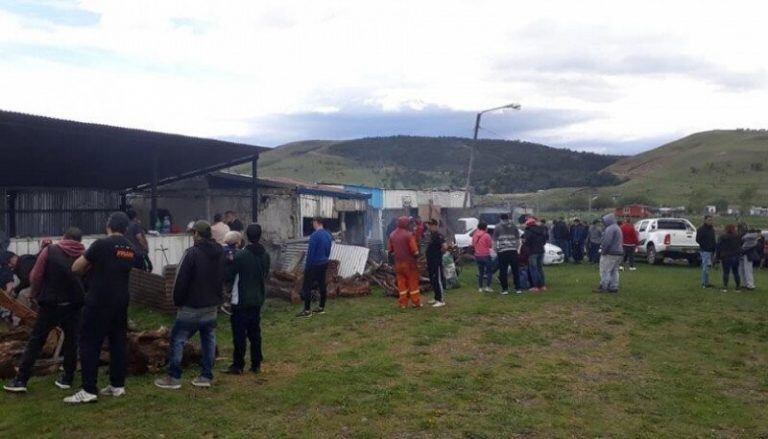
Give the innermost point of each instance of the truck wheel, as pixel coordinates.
(653, 257)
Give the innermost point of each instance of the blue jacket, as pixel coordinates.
(319, 248)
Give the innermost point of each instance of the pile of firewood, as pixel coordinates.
(287, 285)
(147, 350)
(383, 275)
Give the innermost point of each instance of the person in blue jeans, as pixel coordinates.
(197, 293)
(707, 240)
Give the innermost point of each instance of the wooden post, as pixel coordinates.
(255, 189)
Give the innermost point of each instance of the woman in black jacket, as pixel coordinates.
(728, 252)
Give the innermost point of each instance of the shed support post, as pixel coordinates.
(153, 191)
(11, 212)
(255, 189)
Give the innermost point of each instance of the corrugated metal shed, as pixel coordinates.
(291, 253)
(351, 259)
(377, 195)
(50, 211)
(316, 205)
(396, 199)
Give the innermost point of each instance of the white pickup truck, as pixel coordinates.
(673, 238)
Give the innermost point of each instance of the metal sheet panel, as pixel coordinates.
(163, 250)
(396, 199)
(44, 211)
(316, 205)
(351, 259)
(291, 253)
(377, 195)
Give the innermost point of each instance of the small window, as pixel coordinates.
(672, 225)
(643, 225)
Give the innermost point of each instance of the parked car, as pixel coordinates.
(673, 238)
(553, 254)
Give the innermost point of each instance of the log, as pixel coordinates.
(24, 313)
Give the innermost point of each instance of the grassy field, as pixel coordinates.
(661, 359)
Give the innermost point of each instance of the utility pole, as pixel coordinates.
(474, 145)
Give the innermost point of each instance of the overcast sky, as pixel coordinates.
(609, 76)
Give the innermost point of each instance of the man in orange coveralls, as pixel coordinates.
(403, 244)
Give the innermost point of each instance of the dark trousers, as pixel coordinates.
(731, 265)
(594, 253)
(65, 317)
(110, 322)
(629, 255)
(246, 326)
(436, 276)
(508, 260)
(578, 251)
(565, 246)
(314, 276)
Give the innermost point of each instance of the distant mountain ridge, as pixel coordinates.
(421, 162)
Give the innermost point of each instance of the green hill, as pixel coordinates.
(723, 167)
(420, 162)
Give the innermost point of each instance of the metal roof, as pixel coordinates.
(227, 179)
(41, 151)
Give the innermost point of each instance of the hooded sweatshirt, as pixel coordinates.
(402, 243)
(51, 278)
(612, 238)
(200, 278)
(506, 237)
(749, 246)
(251, 269)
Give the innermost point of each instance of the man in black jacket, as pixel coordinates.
(197, 293)
(705, 237)
(59, 294)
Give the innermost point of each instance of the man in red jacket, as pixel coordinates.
(631, 240)
(403, 245)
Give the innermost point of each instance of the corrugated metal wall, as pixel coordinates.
(163, 250)
(50, 211)
(394, 199)
(316, 205)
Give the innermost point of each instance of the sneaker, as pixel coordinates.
(438, 305)
(481, 290)
(168, 382)
(544, 288)
(504, 293)
(519, 292)
(621, 268)
(724, 290)
(488, 290)
(632, 268)
(613, 291)
(534, 290)
(16, 386)
(111, 390)
(318, 310)
(432, 301)
(232, 370)
(419, 305)
(81, 397)
(599, 290)
(202, 381)
(304, 314)
(63, 382)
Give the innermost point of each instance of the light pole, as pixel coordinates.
(474, 144)
(538, 201)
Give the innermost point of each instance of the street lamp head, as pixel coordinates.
(513, 106)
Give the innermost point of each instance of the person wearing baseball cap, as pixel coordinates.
(197, 293)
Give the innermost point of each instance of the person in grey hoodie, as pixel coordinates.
(595, 237)
(749, 255)
(611, 256)
(506, 242)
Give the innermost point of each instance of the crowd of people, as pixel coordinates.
(85, 291)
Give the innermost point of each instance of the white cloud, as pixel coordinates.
(224, 69)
